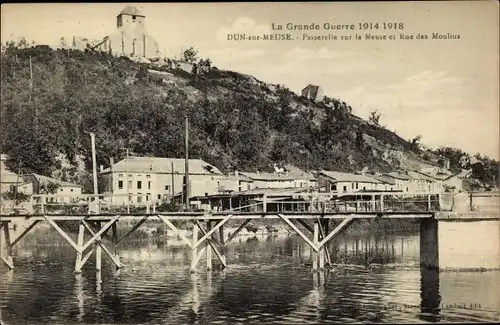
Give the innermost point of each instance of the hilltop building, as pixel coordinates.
(131, 37)
(313, 92)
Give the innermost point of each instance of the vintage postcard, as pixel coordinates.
(250, 163)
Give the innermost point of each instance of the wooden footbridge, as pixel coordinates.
(315, 221)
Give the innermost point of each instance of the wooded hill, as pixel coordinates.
(236, 121)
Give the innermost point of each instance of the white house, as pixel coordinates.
(142, 179)
(345, 183)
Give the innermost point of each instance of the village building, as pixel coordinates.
(144, 179)
(51, 186)
(313, 92)
(387, 184)
(293, 178)
(131, 37)
(458, 183)
(12, 182)
(345, 183)
(403, 182)
(424, 183)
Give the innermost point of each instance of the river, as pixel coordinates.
(268, 280)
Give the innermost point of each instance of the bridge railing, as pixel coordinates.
(69, 204)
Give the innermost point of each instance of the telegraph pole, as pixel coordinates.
(186, 167)
(94, 170)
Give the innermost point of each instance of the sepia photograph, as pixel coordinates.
(250, 163)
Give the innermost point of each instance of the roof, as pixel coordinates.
(399, 176)
(45, 179)
(384, 179)
(348, 177)
(162, 165)
(268, 176)
(132, 11)
(420, 176)
(7, 176)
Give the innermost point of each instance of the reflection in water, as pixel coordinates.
(79, 296)
(429, 293)
(376, 279)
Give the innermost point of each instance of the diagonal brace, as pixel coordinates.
(237, 231)
(104, 248)
(99, 234)
(175, 230)
(337, 229)
(301, 234)
(63, 233)
(210, 242)
(214, 229)
(25, 232)
(204, 233)
(134, 228)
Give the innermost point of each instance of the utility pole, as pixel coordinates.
(31, 79)
(94, 171)
(186, 168)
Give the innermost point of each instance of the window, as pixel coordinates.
(159, 196)
(357, 185)
(149, 185)
(139, 185)
(364, 188)
(139, 198)
(130, 197)
(134, 17)
(334, 186)
(120, 185)
(352, 185)
(130, 176)
(72, 189)
(148, 176)
(147, 196)
(120, 175)
(167, 188)
(129, 185)
(345, 188)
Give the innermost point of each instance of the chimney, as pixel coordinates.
(111, 163)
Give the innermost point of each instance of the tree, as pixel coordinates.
(415, 142)
(374, 117)
(190, 55)
(63, 41)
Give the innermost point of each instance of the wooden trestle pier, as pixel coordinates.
(207, 235)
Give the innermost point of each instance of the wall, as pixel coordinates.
(155, 186)
(273, 184)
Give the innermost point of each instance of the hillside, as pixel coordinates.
(236, 121)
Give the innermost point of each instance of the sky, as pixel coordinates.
(445, 90)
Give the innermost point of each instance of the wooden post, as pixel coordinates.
(264, 203)
(429, 248)
(8, 246)
(186, 162)
(194, 249)
(223, 244)
(209, 249)
(382, 202)
(115, 242)
(98, 250)
(315, 242)
(94, 170)
(81, 234)
(429, 202)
